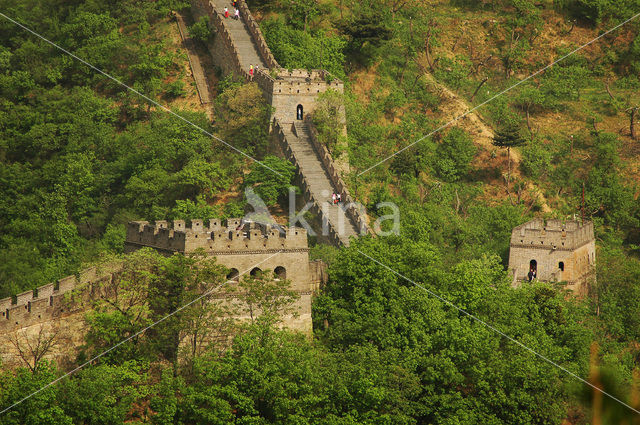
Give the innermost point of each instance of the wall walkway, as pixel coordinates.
(239, 44)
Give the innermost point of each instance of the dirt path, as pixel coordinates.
(453, 106)
(194, 60)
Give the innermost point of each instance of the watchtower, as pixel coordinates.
(237, 245)
(556, 251)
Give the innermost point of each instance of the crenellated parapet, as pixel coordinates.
(47, 302)
(553, 233)
(354, 213)
(214, 237)
(256, 35)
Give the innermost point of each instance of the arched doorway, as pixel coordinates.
(280, 272)
(255, 271)
(561, 266)
(299, 112)
(533, 270)
(233, 275)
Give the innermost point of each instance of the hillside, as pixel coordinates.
(419, 326)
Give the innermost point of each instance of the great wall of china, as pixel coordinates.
(237, 44)
(59, 307)
(55, 308)
(560, 251)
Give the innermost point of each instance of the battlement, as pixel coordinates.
(45, 302)
(235, 235)
(554, 233)
(300, 81)
(256, 35)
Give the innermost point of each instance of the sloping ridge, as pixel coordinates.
(308, 162)
(247, 51)
(318, 181)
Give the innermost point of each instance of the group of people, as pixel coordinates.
(336, 198)
(532, 274)
(236, 13)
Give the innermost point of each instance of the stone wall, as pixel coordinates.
(333, 235)
(256, 35)
(46, 302)
(285, 91)
(222, 48)
(59, 308)
(52, 309)
(333, 170)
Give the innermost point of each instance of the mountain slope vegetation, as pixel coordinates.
(81, 155)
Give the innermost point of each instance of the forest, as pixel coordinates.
(81, 155)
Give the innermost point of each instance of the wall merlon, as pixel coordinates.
(24, 297)
(5, 303)
(39, 307)
(66, 284)
(196, 225)
(45, 291)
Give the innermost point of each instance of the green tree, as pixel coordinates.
(41, 408)
(508, 136)
(266, 183)
(453, 156)
(328, 118)
(201, 30)
(302, 11)
(241, 118)
(105, 394)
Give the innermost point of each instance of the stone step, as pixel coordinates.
(318, 179)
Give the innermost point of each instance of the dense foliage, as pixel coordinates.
(81, 155)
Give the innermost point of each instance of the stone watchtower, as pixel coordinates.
(556, 251)
(243, 248)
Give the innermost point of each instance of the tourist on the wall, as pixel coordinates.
(226, 12)
(251, 70)
(236, 14)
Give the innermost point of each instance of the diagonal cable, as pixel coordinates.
(498, 331)
(162, 319)
(142, 95)
(502, 92)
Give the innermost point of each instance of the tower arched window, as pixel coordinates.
(233, 274)
(280, 273)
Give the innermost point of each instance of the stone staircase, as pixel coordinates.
(318, 180)
(248, 53)
(296, 136)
